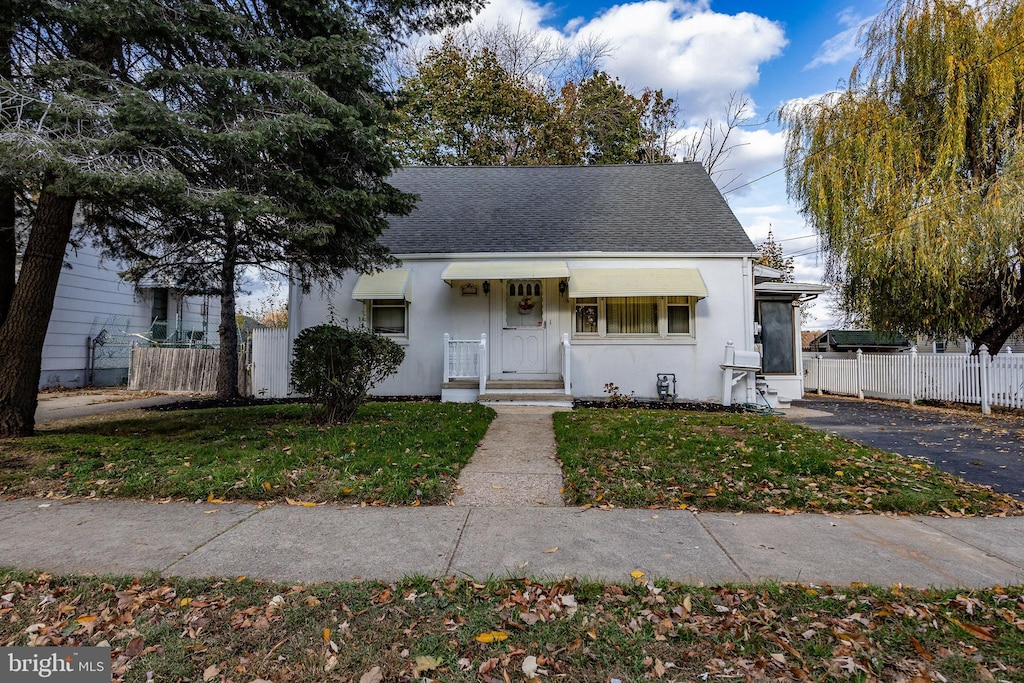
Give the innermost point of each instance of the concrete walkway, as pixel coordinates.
(288, 543)
(78, 404)
(516, 464)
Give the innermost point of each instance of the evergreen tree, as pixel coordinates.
(770, 254)
(242, 131)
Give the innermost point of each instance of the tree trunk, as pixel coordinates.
(227, 371)
(8, 243)
(24, 329)
(995, 335)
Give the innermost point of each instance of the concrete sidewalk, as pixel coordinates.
(288, 543)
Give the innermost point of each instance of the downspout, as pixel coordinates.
(748, 305)
(748, 319)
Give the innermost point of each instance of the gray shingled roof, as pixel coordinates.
(635, 208)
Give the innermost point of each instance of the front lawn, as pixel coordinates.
(458, 630)
(391, 453)
(720, 461)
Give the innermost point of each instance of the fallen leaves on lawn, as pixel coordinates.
(228, 630)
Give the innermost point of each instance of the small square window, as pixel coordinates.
(586, 316)
(678, 319)
(388, 316)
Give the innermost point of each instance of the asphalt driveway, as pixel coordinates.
(987, 449)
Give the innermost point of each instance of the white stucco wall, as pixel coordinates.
(726, 314)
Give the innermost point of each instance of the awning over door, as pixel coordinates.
(508, 270)
(387, 284)
(587, 282)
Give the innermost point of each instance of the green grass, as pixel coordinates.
(717, 461)
(391, 453)
(242, 630)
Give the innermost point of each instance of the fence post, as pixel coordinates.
(817, 359)
(483, 362)
(860, 365)
(913, 373)
(984, 363)
(447, 363)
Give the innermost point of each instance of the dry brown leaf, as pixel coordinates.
(211, 672)
(372, 676)
(979, 632)
(134, 647)
(920, 648)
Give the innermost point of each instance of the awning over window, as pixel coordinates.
(586, 282)
(387, 284)
(508, 270)
(793, 288)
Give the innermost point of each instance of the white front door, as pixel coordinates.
(524, 334)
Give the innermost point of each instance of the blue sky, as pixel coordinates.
(700, 52)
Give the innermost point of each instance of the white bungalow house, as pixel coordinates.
(544, 284)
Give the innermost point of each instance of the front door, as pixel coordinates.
(524, 334)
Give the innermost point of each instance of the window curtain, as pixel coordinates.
(633, 315)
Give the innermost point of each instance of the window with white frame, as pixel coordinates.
(635, 316)
(389, 316)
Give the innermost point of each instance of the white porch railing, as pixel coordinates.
(566, 363)
(464, 358)
(962, 378)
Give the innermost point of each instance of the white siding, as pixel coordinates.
(436, 308)
(91, 297)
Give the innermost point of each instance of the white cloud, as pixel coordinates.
(692, 53)
(843, 46)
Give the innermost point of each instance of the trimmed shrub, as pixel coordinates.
(335, 366)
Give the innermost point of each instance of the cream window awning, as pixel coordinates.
(387, 284)
(508, 270)
(587, 282)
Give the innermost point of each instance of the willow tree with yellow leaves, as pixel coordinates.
(913, 175)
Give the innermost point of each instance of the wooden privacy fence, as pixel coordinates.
(191, 370)
(983, 380)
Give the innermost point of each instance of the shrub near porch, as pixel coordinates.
(391, 453)
(753, 463)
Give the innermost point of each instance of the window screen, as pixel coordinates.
(633, 315)
(777, 337)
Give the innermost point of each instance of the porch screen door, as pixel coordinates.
(524, 335)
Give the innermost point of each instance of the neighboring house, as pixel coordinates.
(97, 316)
(807, 338)
(563, 282)
(1015, 344)
(850, 341)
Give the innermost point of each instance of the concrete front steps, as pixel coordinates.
(519, 392)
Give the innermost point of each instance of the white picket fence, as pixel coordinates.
(984, 380)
